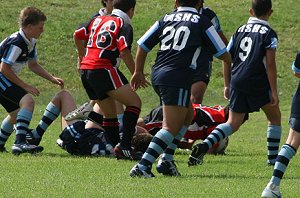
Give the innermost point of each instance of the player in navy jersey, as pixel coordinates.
(253, 83)
(203, 72)
(110, 37)
(16, 51)
(182, 34)
(289, 149)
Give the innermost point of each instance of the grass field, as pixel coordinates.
(241, 173)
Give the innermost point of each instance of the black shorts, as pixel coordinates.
(295, 124)
(11, 97)
(295, 107)
(100, 81)
(173, 96)
(247, 103)
(203, 72)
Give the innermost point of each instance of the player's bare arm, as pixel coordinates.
(272, 74)
(7, 71)
(138, 78)
(39, 70)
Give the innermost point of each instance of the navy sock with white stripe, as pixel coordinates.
(168, 154)
(273, 141)
(159, 143)
(286, 153)
(50, 114)
(23, 120)
(6, 129)
(219, 133)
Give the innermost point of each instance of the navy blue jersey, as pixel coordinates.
(181, 34)
(205, 54)
(248, 48)
(295, 110)
(16, 50)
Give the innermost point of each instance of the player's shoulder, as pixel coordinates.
(206, 11)
(14, 39)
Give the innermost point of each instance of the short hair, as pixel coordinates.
(141, 141)
(31, 15)
(261, 7)
(103, 3)
(188, 3)
(124, 5)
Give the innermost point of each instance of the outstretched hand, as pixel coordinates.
(138, 80)
(59, 82)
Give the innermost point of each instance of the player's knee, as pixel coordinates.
(27, 102)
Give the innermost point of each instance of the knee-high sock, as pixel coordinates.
(131, 115)
(286, 153)
(273, 141)
(159, 143)
(50, 114)
(168, 154)
(23, 120)
(6, 129)
(111, 126)
(219, 133)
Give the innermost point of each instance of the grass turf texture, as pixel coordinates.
(241, 173)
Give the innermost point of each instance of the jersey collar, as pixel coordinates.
(187, 9)
(122, 14)
(30, 43)
(256, 20)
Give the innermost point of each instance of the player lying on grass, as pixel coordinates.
(206, 118)
(78, 137)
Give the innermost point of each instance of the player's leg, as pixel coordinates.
(238, 103)
(125, 95)
(175, 109)
(287, 152)
(273, 131)
(7, 127)
(166, 164)
(110, 122)
(197, 92)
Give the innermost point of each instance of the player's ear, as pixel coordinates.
(251, 12)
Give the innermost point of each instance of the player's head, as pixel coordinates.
(31, 16)
(32, 20)
(126, 6)
(141, 141)
(261, 7)
(188, 3)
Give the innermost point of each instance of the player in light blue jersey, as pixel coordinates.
(182, 34)
(289, 149)
(253, 83)
(16, 51)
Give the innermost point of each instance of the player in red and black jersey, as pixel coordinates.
(108, 39)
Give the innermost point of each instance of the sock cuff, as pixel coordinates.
(53, 109)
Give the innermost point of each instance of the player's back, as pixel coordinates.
(248, 50)
(181, 35)
(103, 42)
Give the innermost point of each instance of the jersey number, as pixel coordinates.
(104, 37)
(175, 38)
(245, 45)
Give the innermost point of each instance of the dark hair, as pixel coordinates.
(124, 5)
(31, 15)
(261, 7)
(188, 3)
(103, 3)
(141, 141)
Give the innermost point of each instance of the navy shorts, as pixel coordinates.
(203, 72)
(248, 103)
(11, 97)
(295, 107)
(173, 96)
(100, 81)
(295, 124)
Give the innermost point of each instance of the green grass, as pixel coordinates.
(241, 173)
